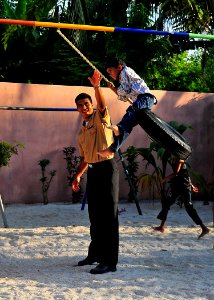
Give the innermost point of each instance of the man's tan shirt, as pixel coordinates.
(95, 136)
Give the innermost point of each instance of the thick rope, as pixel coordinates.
(83, 56)
(88, 61)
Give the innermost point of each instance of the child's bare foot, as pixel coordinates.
(203, 232)
(106, 152)
(115, 129)
(159, 228)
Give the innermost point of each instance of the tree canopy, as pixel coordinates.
(39, 55)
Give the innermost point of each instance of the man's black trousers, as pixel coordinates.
(102, 195)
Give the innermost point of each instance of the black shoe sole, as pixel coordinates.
(85, 262)
(104, 270)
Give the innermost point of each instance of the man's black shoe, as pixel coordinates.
(86, 261)
(101, 269)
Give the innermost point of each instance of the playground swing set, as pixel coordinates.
(156, 128)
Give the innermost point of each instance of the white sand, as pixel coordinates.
(42, 245)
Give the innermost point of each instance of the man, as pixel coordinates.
(102, 180)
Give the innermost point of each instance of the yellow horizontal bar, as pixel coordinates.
(56, 25)
(74, 26)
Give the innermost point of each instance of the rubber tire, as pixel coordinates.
(164, 134)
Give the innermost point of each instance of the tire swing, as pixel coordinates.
(164, 134)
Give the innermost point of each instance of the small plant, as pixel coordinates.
(132, 168)
(73, 162)
(6, 152)
(150, 181)
(44, 180)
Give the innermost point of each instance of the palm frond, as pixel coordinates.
(150, 182)
(181, 128)
(20, 10)
(147, 155)
(9, 11)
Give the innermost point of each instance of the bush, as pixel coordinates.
(6, 152)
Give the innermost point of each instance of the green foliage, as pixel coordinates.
(144, 180)
(191, 15)
(73, 162)
(43, 163)
(182, 72)
(17, 12)
(151, 180)
(52, 61)
(7, 150)
(208, 69)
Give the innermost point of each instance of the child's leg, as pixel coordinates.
(204, 231)
(115, 129)
(118, 141)
(189, 207)
(128, 122)
(162, 216)
(124, 127)
(164, 212)
(130, 119)
(160, 228)
(193, 213)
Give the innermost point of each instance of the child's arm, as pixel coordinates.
(112, 87)
(122, 98)
(165, 179)
(194, 188)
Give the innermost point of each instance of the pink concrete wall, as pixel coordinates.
(46, 133)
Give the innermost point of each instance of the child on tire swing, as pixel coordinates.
(133, 89)
(180, 187)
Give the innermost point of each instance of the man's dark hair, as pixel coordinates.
(83, 96)
(113, 62)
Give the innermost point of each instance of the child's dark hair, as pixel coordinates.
(83, 96)
(113, 62)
